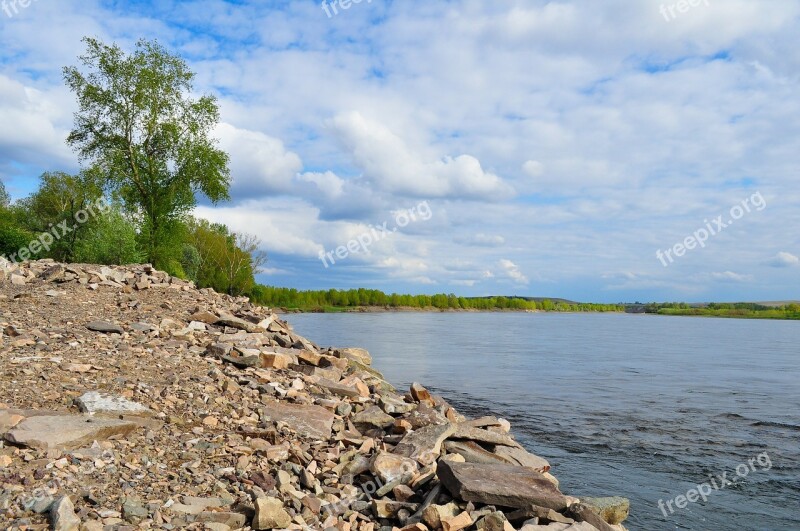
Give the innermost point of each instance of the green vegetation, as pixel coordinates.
(336, 300)
(149, 141)
(738, 310)
(147, 152)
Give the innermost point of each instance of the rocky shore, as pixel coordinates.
(132, 400)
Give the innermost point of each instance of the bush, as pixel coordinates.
(112, 241)
(12, 240)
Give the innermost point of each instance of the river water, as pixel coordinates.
(640, 406)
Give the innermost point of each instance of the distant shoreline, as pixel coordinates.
(694, 312)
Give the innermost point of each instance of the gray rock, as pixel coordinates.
(62, 515)
(133, 511)
(504, 485)
(339, 389)
(472, 452)
(226, 319)
(523, 458)
(105, 327)
(425, 444)
(477, 434)
(95, 402)
(373, 417)
(395, 406)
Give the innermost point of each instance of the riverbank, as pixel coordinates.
(129, 397)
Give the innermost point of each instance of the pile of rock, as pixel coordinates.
(130, 399)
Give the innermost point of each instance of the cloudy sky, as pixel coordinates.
(517, 147)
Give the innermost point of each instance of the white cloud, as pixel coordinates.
(481, 240)
(784, 259)
(533, 168)
(510, 270)
(389, 164)
(730, 276)
(260, 164)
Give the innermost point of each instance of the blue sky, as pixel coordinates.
(558, 145)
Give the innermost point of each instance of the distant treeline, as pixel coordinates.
(741, 310)
(331, 300)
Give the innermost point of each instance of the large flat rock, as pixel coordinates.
(311, 421)
(504, 485)
(66, 432)
(96, 402)
(425, 444)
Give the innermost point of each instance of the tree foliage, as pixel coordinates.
(5, 199)
(354, 298)
(65, 199)
(111, 241)
(150, 140)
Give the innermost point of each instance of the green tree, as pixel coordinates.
(137, 123)
(111, 241)
(5, 199)
(65, 203)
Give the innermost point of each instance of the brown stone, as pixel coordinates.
(503, 485)
(424, 444)
(270, 514)
(310, 421)
(66, 432)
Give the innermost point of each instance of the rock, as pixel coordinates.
(219, 350)
(227, 319)
(232, 520)
(425, 415)
(393, 405)
(457, 523)
(62, 515)
(389, 467)
(425, 444)
(578, 526)
(95, 402)
(338, 389)
(420, 394)
(613, 510)
(105, 327)
(505, 485)
(66, 432)
(18, 280)
(310, 421)
(357, 354)
(133, 511)
(8, 420)
(472, 452)
(523, 458)
(582, 513)
(204, 316)
(373, 417)
(495, 521)
(356, 383)
(389, 508)
(271, 360)
(477, 434)
(270, 514)
(243, 362)
(433, 514)
(532, 511)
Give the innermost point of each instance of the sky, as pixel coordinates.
(615, 150)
